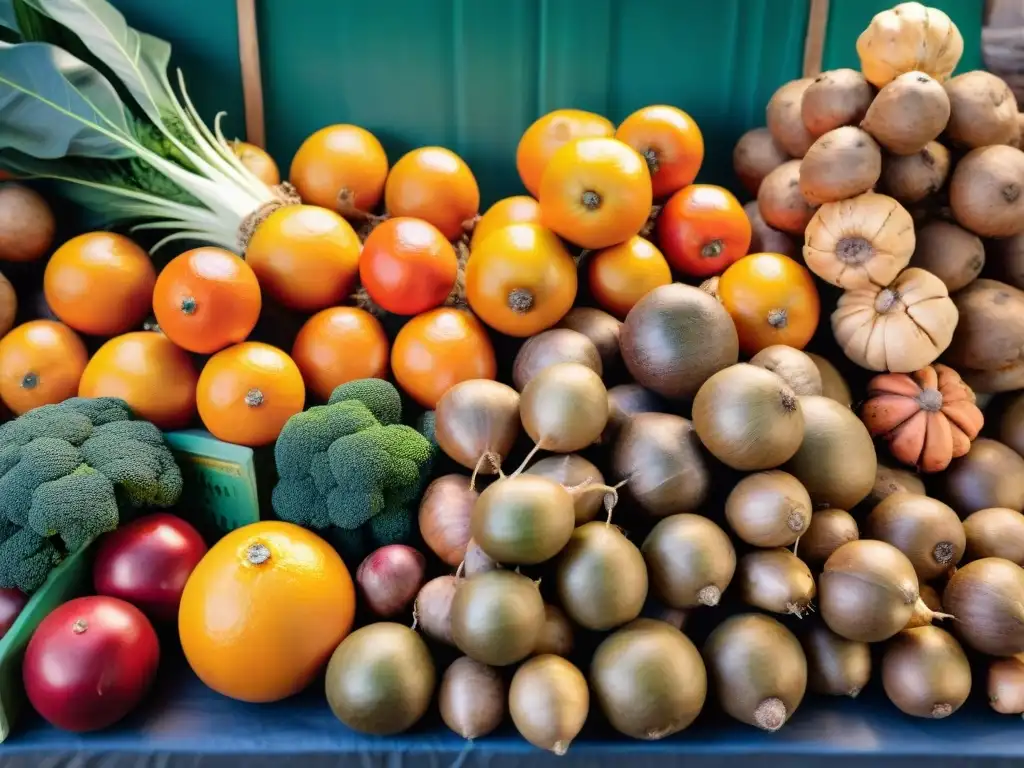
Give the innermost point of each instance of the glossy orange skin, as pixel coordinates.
(340, 344)
(149, 372)
(260, 632)
(622, 275)
(670, 141)
(41, 362)
(549, 133)
(703, 229)
(596, 193)
(258, 161)
(407, 266)
(438, 349)
(206, 299)
(527, 259)
(436, 185)
(756, 288)
(340, 165)
(100, 283)
(518, 209)
(305, 257)
(247, 392)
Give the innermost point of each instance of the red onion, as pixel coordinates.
(390, 577)
(11, 603)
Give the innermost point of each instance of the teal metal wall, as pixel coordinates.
(472, 74)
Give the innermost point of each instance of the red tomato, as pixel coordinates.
(702, 230)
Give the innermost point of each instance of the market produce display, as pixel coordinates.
(626, 472)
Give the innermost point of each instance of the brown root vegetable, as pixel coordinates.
(1009, 378)
(784, 116)
(834, 99)
(758, 669)
(949, 252)
(471, 698)
(780, 201)
(990, 331)
(573, 471)
(867, 591)
(796, 368)
(675, 338)
(828, 530)
(763, 239)
(690, 561)
(497, 617)
(908, 113)
(986, 192)
(912, 178)
(835, 666)
(748, 418)
(558, 345)
(660, 456)
(477, 423)
(889, 480)
(995, 532)
(925, 673)
(930, 597)
(1006, 259)
(755, 155)
(833, 385)
(556, 636)
(564, 408)
(8, 305)
(768, 509)
(775, 580)
(549, 701)
(27, 225)
(990, 475)
(649, 680)
(624, 402)
(444, 514)
(477, 561)
(523, 520)
(861, 242)
(983, 110)
(673, 616)
(1011, 424)
(841, 164)
(600, 327)
(601, 577)
(908, 37)
(987, 598)
(433, 609)
(836, 462)
(1006, 685)
(927, 531)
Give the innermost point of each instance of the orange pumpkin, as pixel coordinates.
(549, 133)
(247, 392)
(100, 283)
(596, 192)
(521, 280)
(519, 209)
(438, 349)
(341, 167)
(340, 344)
(703, 229)
(671, 143)
(306, 258)
(436, 185)
(206, 299)
(149, 372)
(41, 362)
(928, 417)
(258, 162)
(772, 300)
(264, 610)
(622, 275)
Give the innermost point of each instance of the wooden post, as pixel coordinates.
(814, 41)
(252, 82)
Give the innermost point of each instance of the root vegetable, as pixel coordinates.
(926, 673)
(471, 698)
(794, 367)
(1006, 259)
(556, 636)
(27, 225)
(768, 509)
(690, 561)
(549, 701)
(497, 617)
(558, 345)
(906, 37)
(841, 164)
(776, 580)
(829, 529)
(990, 475)
(780, 201)
(987, 598)
(784, 116)
(834, 99)
(573, 471)
(949, 252)
(990, 330)
(8, 305)
(600, 327)
(1011, 424)
(995, 532)
(756, 154)
(1010, 378)
(927, 531)
(983, 110)
(564, 408)
(477, 560)
(390, 578)
(912, 178)
(889, 481)
(1006, 685)
(764, 238)
(909, 112)
(477, 423)
(624, 402)
(835, 666)
(433, 609)
(833, 385)
(986, 192)
(523, 520)
(445, 511)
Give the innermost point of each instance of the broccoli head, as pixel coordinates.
(26, 559)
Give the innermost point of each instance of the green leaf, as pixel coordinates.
(53, 105)
(138, 60)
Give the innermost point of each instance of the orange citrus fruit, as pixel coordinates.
(41, 362)
(519, 209)
(671, 143)
(622, 275)
(436, 185)
(549, 133)
(338, 345)
(341, 167)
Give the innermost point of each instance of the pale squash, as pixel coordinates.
(900, 328)
(909, 37)
(8, 305)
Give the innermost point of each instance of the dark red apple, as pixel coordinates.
(11, 603)
(147, 563)
(90, 662)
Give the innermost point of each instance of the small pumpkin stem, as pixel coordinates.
(854, 251)
(709, 595)
(30, 380)
(652, 159)
(520, 300)
(886, 300)
(712, 249)
(943, 552)
(591, 200)
(795, 522)
(788, 401)
(770, 714)
(80, 626)
(930, 400)
(1011, 192)
(942, 710)
(257, 553)
(188, 305)
(778, 318)
(254, 398)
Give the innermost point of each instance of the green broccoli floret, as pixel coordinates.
(42, 460)
(77, 507)
(394, 527)
(26, 559)
(133, 455)
(379, 396)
